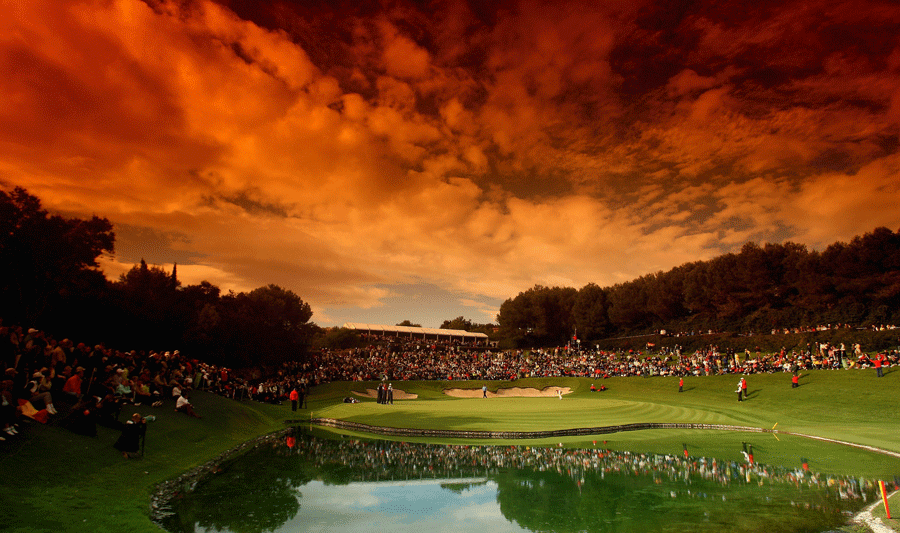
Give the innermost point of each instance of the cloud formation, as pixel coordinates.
(344, 152)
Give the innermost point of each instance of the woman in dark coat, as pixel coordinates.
(130, 439)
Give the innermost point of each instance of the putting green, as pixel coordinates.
(845, 406)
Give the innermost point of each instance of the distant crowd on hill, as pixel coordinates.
(784, 330)
(388, 358)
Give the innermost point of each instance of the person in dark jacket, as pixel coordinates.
(132, 431)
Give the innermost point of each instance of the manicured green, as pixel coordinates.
(847, 405)
(54, 480)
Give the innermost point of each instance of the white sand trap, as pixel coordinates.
(518, 392)
(398, 394)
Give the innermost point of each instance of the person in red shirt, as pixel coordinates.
(73, 384)
(878, 362)
(295, 397)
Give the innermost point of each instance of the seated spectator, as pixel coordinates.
(107, 411)
(184, 406)
(142, 392)
(8, 409)
(59, 379)
(44, 379)
(82, 419)
(160, 383)
(31, 393)
(72, 388)
(124, 391)
(117, 378)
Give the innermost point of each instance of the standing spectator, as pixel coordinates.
(32, 347)
(129, 441)
(879, 362)
(57, 355)
(295, 397)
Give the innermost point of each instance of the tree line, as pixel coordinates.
(53, 282)
(759, 289)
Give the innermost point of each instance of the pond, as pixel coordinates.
(306, 480)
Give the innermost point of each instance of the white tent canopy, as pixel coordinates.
(413, 331)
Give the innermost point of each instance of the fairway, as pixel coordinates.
(852, 406)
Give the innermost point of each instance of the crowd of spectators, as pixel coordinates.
(780, 331)
(45, 377)
(403, 359)
(83, 386)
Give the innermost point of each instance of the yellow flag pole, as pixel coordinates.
(887, 509)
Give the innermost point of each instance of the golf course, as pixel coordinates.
(55, 480)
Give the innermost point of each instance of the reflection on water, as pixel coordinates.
(300, 482)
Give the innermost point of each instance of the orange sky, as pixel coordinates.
(387, 161)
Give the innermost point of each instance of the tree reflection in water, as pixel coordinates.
(540, 489)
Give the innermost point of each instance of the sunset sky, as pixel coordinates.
(425, 160)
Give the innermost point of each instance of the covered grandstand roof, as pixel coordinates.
(411, 331)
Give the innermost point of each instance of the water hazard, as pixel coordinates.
(299, 481)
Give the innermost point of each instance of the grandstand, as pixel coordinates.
(409, 331)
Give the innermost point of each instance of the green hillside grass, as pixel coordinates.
(54, 480)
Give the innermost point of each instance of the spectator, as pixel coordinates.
(107, 411)
(184, 406)
(8, 408)
(142, 392)
(129, 441)
(72, 388)
(31, 392)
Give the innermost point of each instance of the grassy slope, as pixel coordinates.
(53, 480)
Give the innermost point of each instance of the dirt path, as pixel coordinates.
(866, 518)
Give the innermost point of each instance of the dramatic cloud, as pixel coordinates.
(386, 162)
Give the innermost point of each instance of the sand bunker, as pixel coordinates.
(509, 393)
(398, 394)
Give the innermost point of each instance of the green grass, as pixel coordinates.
(894, 504)
(851, 406)
(54, 480)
